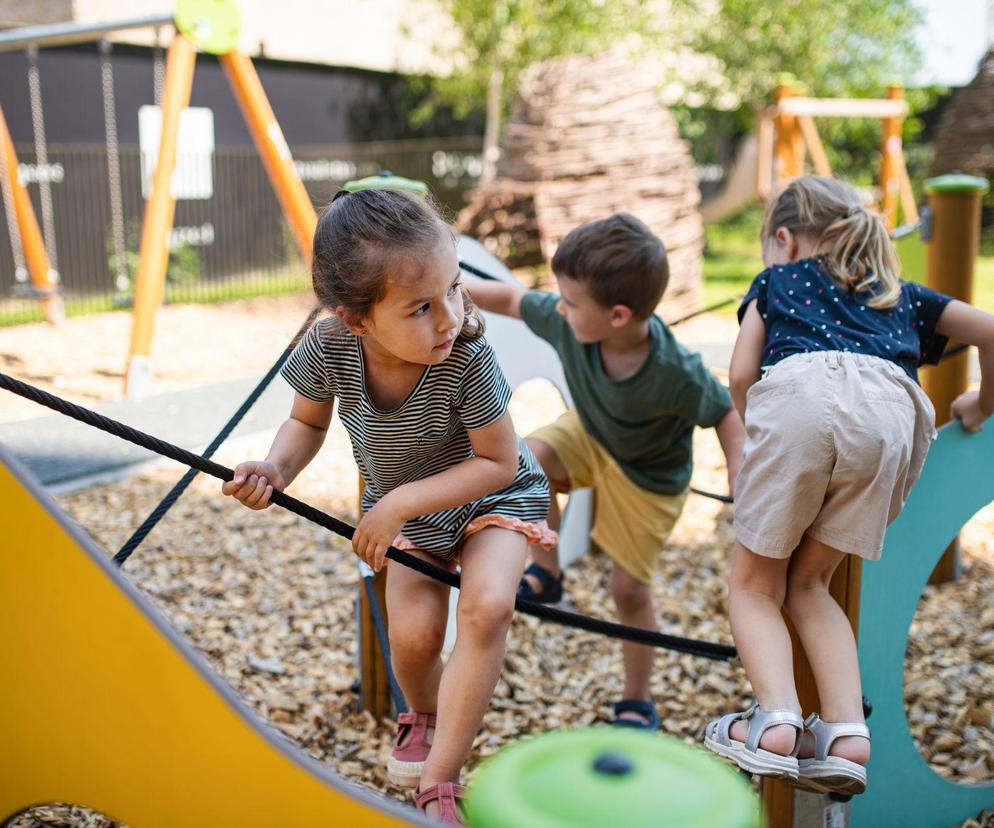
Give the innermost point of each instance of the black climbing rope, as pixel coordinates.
(652, 638)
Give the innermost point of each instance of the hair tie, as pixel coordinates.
(853, 210)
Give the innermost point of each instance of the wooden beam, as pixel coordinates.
(815, 149)
(157, 222)
(32, 243)
(843, 107)
(777, 795)
(272, 148)
(891, 156)
(374, 685)
(789, 144)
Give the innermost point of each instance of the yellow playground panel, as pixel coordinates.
(102, 704)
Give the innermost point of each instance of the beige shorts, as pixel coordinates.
(631, 524)
(834, 443)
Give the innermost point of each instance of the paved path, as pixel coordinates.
(57, 449)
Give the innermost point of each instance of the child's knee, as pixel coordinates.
(417, 642)
(628, 591)
(485, 614)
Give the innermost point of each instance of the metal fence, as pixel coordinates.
(229, 237)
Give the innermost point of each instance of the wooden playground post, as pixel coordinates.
(159, 211)
(891, 158)
(272, 147)
(374, 685)
(777, 795)
(789, 142)
(32, 243)
(955, 201)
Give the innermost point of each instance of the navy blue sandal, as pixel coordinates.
(645, 709)
(552, 587)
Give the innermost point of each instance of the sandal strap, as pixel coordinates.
(413, 724)
(545, 577)
(825, 733)
(760, 720)
(447, 794)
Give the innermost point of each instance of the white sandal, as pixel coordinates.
(831, 774)
(748, 755)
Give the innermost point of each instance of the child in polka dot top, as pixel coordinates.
(824, 374)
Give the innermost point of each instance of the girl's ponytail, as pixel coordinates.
(857, 248)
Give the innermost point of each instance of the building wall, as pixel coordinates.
(384, 35)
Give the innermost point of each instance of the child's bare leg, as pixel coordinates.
(828, 642)
(633, 600)
(558, 484)
(492, 561)
(418, 608)
(755, 596)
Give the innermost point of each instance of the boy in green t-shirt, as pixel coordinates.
(638, 395)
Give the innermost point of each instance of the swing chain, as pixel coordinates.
(113, 165)
(41, 162)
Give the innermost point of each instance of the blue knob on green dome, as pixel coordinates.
(957, 183)
(605, 777)
(386, 181)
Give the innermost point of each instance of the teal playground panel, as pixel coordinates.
(903, 791)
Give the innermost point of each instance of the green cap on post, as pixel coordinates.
(957, 183)
(605, 777)
(212, 25)
(386, 181)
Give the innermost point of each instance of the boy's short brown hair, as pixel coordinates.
(620, 261)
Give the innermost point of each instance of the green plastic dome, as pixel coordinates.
(605, 777)
(957, 183)
(386, 181)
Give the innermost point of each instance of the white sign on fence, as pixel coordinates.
(193, 177)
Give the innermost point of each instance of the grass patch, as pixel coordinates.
(23, 311)
(732, 258)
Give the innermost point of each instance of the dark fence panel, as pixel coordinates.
(232, 244)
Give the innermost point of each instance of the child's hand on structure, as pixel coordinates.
(376, 532)
(967, 409)
(253, 483)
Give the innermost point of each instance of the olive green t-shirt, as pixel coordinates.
(647, 420)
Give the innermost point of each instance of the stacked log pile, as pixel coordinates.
(590, 137)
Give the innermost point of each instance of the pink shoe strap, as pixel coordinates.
(413, 727)
(447, 793)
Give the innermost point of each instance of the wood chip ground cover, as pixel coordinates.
(268, 599)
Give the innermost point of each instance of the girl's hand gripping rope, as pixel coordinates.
(377, 531)
(254, 482)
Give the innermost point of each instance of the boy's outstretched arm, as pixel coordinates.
(965, 323)
(496, 297)
(731, 435)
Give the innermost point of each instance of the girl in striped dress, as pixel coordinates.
(424, 402)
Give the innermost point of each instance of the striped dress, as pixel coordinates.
(425, 434)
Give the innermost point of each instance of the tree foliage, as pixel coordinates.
(514, 34)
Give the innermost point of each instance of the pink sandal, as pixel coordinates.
(415, 732)
(448, 795)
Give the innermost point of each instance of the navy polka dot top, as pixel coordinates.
(804, 310)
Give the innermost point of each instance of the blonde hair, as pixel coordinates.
(857, 248)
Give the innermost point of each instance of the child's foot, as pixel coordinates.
(764, 742)
(441, 802)
(415, 732)
(539, 585)
(833, 756)
(636, 713)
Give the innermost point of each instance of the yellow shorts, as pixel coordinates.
(631, 524)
